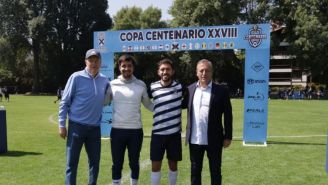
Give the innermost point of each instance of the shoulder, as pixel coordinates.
(193, 85)
(155, 84)
(140, 83)
(102, 75)
(77, 74)
(115, 82)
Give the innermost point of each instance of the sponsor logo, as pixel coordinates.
(210, 45)
(217, 45)
(251, 81)
(256, 124)
(175, 46)
(255, 110)
(257, 66)
(204, 45)
(257, 97)
(232, 45)
(167, 46)
(255, 36)
(197, 45)
(154, 47)
(190, 45)
(225, 45)
(184, 46)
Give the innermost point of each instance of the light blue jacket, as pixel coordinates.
(83, 99)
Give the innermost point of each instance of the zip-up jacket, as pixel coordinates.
(83, 99)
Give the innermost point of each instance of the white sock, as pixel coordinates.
(117, 182)
(134, 181)
(173, 177)
(155, 178)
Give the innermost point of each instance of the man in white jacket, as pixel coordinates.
(127, 95)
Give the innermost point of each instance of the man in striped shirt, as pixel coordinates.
(166, 132)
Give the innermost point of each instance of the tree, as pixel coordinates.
(58, 33)
(227, 67)
(136, 18)
(307, 32)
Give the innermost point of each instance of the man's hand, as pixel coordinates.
(62, 132)
(226, 143)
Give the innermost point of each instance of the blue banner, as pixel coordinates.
(256, 96)
(255, 39)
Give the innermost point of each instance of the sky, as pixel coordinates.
(115, 5)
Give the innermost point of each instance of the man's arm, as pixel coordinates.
(108, 95)
(64, 106)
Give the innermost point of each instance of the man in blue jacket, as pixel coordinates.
(83, 100)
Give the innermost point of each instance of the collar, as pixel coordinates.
(208, 85)
(132, 79)
(89, 74)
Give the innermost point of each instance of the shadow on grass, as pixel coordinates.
(19, 153)
(285, 143)
(292, 143)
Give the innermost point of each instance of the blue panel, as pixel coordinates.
(256, 95)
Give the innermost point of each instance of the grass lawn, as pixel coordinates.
(36, 153)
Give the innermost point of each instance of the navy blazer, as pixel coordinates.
(219, 105)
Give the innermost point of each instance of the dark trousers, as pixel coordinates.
(122, 139)
(196, 159)
(77, 136)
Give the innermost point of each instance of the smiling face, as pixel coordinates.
(204, 73)
(93, 64)
(165, 72)
(126, 68)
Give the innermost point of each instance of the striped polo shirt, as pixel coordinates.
(167, 108)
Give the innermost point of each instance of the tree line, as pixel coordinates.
(42, 42)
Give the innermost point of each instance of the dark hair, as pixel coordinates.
(165, 61)
(127, 58)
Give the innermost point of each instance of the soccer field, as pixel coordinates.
(296, 151)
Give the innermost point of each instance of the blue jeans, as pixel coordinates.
(120, 140)
(77, 136)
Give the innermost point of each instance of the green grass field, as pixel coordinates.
(295, 153)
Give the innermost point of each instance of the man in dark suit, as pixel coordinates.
(206, 103)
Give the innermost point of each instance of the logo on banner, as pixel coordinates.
(232, 45)
(257, 97)
(197, 45)
(256, 124)
(255, 110)
(210, 45)
(225, 45)
(255, 36)
(183, 46)
(251, 81)
(217, 45)
(190, 45)
(175, 46)
(204, 45)
(257, 67)
(167, 47)
(101, 39)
